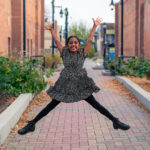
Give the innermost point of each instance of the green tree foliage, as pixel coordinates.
(80, 30)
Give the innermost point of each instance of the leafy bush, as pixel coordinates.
(113, 67)
(19, 77)
(134, 67)
(48, 59)
(57, 59)
(91, 52)
(49, 72)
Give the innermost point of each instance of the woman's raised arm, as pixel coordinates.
(90, 38)
(54, 35)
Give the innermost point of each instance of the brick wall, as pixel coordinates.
(17, 23)
(147, 30)
(5, 27)
(12, 18)
(129, 27)
(117, 35)
(34, 27)
(136, 28)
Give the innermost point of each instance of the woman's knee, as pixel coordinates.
(55, 102)
(90, 99)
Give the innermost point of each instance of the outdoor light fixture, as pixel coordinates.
(112, 5)
(66, 11)
(104, 25)
(122, 19)
(104, 44)
(61, 13)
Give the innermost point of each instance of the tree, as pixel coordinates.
(80, 30)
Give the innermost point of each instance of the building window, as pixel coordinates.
(28, 47)
(31, 47)
(9, 51)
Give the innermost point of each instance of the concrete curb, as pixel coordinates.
(106, 73)
(12, 114)
(142, 95)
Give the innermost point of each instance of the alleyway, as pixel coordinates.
(78, 126)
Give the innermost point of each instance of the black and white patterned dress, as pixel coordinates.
(73, 83)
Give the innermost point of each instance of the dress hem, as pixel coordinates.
(72, 98)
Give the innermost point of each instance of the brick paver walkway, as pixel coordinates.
(78, 126)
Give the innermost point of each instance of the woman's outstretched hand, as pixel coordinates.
(97, 22)
(49, 26)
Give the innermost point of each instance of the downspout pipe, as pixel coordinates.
(24, 28)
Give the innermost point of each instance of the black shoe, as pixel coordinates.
(119, 125)
(30, 127)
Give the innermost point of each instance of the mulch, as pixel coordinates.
(121, 90)
(5, 101)
(142, 82)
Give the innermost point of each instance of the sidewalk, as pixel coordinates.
(78, 126)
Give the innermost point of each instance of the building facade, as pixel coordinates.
(48, 37)
(136, 28)
(5, 27)
(107, 38)
(22, 27)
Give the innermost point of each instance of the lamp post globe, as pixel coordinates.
(104, 25)
(66, 11)
(112, 5)
(61, 13)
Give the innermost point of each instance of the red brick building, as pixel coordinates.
(22, 27)
(5, 26)
(136, 28)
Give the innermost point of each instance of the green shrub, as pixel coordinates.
(134, 67)
(112, 66)
(91, 52)
(48, 59)
(57, 59)
(49, 72)
(19, 77)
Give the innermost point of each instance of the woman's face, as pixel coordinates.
(73, 45)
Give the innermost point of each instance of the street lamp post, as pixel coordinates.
(122, 19)
(53, 11)
(60, 33)
(53, 21)
(95, 40)
(66, 24)
(104, 44)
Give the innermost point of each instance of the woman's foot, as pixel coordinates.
(30, 127)
(119, 125)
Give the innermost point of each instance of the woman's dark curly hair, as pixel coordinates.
(72, 37)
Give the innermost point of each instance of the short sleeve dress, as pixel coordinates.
(73, 83)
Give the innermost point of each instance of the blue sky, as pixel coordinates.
(82, 10)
